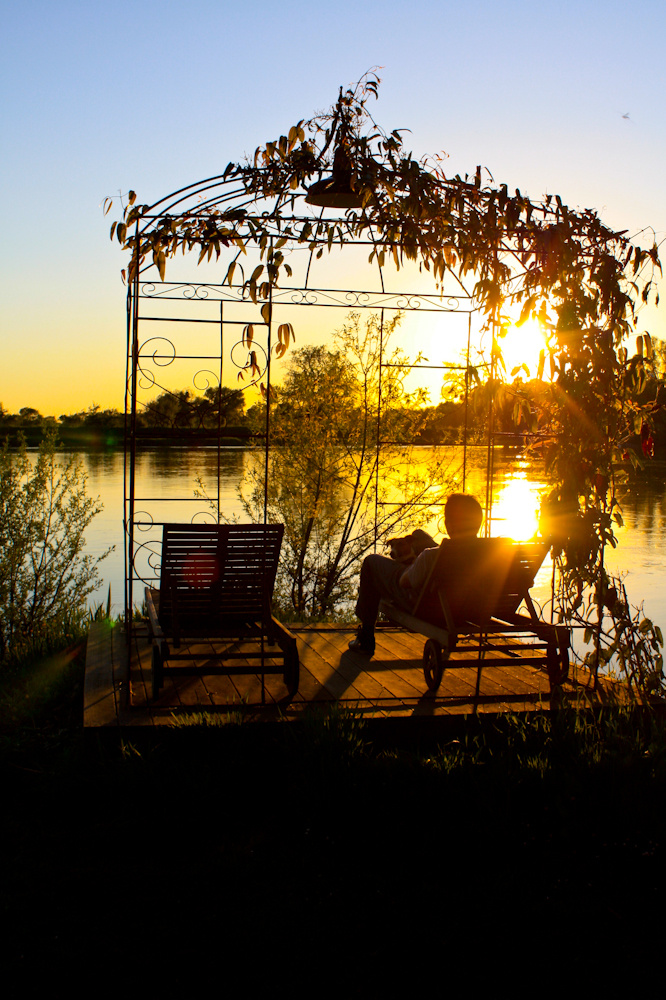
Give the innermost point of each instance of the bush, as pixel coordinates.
(45, 579)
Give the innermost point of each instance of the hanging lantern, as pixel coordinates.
(336, 191)
(326, 193)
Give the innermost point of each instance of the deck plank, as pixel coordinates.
(351, 666)
(506, 685)
(330, 682)
(388, 685)
(99, 698)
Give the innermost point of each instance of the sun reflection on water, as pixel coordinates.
(515, 512)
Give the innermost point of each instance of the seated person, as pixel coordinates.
(386, 578)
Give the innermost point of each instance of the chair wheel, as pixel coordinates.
(433, 664)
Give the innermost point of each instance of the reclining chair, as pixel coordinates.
(475, 588)
(216, 583)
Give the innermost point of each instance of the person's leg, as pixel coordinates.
(380, 578)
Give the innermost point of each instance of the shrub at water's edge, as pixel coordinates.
(45, 577)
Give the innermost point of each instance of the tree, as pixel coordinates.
(187, 410)
(29, 414)
(324, 483)
(44, 511)
(229, 403)
(590, 425)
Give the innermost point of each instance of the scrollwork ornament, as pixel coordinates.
(260, 367)
(203, 517)
(359, 299)
(202, 381)
(150, 554)
(146, 379)
(143, 520)
(161, 360)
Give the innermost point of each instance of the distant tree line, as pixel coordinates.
(170, 415)
(520, 410)
(190, 415)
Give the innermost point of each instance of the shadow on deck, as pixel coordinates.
(391, 685)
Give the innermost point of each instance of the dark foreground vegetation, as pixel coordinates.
(325, 857)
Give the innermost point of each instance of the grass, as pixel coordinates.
(307, 853)
(41, 683)
(210, 720)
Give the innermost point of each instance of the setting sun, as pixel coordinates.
(521, 348)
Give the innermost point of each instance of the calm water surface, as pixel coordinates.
(167, 480)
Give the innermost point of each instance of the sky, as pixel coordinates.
(562, 97)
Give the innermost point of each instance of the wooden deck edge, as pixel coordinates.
(428, 719)
(106, 676)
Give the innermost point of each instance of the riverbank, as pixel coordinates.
(113, 438)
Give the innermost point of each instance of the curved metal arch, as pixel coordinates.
(230, 191)
(204, 184)
(320, 239)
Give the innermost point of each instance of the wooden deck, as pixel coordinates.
(390, 685)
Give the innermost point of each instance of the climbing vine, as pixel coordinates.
(583, 282)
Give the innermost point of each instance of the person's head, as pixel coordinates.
(462, 516)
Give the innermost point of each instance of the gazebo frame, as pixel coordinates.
(563, 266)
(151, 300)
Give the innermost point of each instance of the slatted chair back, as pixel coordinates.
(215, 577)
(478, 579)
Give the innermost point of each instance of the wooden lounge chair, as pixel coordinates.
(216, 583)
(475, 588)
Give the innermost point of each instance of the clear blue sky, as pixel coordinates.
(151, 96)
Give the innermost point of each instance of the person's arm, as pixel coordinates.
(414, 576)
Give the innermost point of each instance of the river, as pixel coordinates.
(169, 478)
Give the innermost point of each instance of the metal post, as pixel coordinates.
(129, 600)
(219, 407)
(490, 470)
(469, 337)
(379, 417)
